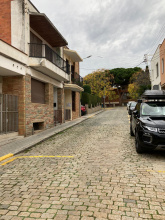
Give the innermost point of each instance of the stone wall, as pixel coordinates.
(76, 114)
(92, 110)
(36, 112)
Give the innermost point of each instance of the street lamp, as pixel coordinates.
(91, 56)
(87, 57)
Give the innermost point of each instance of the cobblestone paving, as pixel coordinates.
(105, 179)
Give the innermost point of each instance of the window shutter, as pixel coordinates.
(37, 91)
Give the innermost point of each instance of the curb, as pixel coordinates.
(44, 139)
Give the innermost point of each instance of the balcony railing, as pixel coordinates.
(76, 79)
(44, 51)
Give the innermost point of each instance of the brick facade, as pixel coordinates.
(60, 101)
(15, 85)
(5, 21)
(36, 112)
(76, 66)
(76, 114)
(29, 112)
(162, 56)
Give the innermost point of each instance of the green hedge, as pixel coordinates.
(89, 99)
(87, 89)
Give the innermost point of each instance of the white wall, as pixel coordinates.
(44, 78)
(18, 24)
(155, 80)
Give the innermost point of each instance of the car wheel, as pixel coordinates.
(139, 148)
(131, 132)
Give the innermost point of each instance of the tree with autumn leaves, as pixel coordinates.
(139, 82)
(101, 82)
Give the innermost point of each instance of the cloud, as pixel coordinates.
(119, 31)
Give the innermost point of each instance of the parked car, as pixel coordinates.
(83, 110)
(131, 107)
(147, 122)
(128, 105)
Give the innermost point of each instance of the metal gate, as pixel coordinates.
(8, 113)
(67, 114)
(57, 117)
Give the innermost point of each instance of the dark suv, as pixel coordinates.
(147, 122)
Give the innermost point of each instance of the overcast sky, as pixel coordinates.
(117, 33)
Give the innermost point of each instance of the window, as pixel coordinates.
(162, 65)
(37, 91)
(35, 46)
(157, 69)
(73, 101)
(67, 66)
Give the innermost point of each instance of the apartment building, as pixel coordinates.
(34, 71)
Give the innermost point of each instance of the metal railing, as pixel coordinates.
(57, 117)
(76, 79)
(44, 51)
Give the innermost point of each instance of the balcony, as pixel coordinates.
(42, 57)
(41, 24)
(76, 79)
(12, 61)
(76, 83)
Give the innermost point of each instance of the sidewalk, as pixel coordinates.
(27, 142)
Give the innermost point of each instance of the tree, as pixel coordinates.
(122, 75)
(100, 82)
(87, 89)
(139, 82)
(112, 95)
(133, 90)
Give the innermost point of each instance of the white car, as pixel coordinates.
(128, 104)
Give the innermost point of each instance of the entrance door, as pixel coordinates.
(8, 113)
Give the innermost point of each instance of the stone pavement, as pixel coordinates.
(88, 172)
(17, 146)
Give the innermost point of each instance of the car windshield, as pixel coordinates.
(153, 109)
(133, 104)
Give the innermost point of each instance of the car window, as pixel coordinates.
(153, 109)
(133, 104)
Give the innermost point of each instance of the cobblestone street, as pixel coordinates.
(96, 174)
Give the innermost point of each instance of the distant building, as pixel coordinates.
(156, 70)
